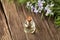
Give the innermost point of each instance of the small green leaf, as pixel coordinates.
(22, 1)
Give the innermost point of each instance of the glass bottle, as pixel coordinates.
(29, 25)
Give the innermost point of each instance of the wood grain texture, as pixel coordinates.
(14, 22)
(45, 29)
(16, 15)
(4, 33)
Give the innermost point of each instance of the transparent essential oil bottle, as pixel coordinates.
(29, 25)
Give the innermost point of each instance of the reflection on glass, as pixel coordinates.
(29, 25)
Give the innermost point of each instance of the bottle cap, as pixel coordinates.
(29, 18)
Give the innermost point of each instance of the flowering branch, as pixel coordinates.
(38, 7)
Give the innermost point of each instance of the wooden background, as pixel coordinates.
(12, 17)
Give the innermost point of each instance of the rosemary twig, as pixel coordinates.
(49, 17)
(42, 15)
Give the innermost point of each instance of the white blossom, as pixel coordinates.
(32, 8)
(40, 4)
(48, 10)
(35, 10)
(28, 4)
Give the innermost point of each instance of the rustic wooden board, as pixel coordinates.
(4, 32)
(13, 19)
(45, 29)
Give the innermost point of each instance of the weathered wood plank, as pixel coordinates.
(58, 35)
(43, 32)
(45, 29)
(53, 29)
(13, 19)
(4, 32)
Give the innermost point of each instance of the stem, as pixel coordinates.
(49, 17)
(42, 15)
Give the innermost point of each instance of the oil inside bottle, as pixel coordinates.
(29, 25)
